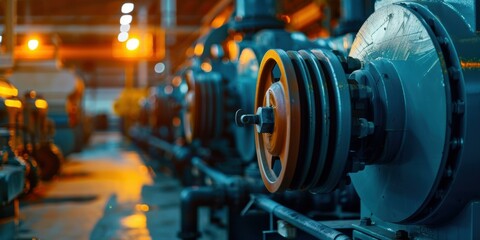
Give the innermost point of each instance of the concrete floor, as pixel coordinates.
(105, 192)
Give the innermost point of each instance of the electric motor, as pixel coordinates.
(398, 118)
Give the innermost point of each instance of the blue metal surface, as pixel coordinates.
(12, 180)
(65, 136)
(253, 15)
(413, 150)
(383, 187)
(450, 208)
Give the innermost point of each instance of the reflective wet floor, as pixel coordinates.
(108, 191)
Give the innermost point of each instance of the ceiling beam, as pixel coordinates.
(89, 29)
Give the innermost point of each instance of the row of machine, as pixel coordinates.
(371, 133)
(41, 122)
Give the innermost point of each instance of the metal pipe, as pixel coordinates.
(215, 175)
(169, 21)
(298, 220)
(191, 199)
(10, 21)
(179, 152)
(254, 15)
(10, 15)
(142, 66)
(353, 10)
(353, 14)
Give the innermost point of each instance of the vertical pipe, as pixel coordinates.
(169, 21)
(191, 199)
(28, 19)
(254, 15)
(353, 10)
(129, 76)
(353, 15)
(10, 21)
(142, 73)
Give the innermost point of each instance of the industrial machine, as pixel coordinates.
(63, 90)
(13, 170)
(39, 136)
(167, 107)
(219, 82)
(397, 119)
(221, 78)
(19, 141)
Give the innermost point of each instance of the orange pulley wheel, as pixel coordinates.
(303, 120)
(277, 151)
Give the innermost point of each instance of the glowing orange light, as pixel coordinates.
(13, 103)
(247, 55)
(8, 91)
(142, 207)
(40, 103)
(198, 49)
(286, 18)
(306, 15)
(207, 67)
(470, 65)
(176, 81)
(176, 122)
(238, 37)
(233, 50)
(133, 44)
(33, 44)
(218, 21)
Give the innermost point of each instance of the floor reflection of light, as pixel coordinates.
(138, 220)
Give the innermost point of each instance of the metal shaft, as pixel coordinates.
(298, 220)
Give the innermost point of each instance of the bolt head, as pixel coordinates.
(365, 221)
(353, 64)
(266, 120)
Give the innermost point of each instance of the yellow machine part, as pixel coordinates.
(7, 90)
(127, 105)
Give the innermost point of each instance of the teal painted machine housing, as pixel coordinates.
(12, 172)
(65, 136)
(451, 209)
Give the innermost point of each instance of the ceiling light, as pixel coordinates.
(127, 7)
(122, 37)
(159, 67)
(32, 44)
(132, 44)
(125, 28)
(125, 19)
